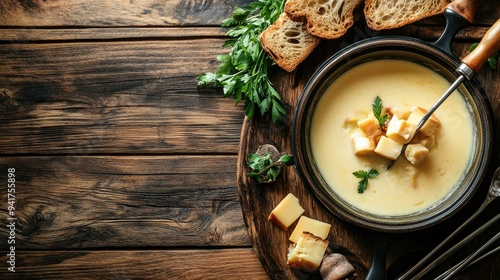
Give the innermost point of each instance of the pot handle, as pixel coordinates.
(488, 46)
(458, 14)
(377, 268)
(465, 8)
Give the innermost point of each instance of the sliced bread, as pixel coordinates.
(389, 14)
(288, 42)
(327, 19)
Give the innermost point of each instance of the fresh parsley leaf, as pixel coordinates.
(259, 163)
(263, 167)
(364, 176)
(286, 159)
(492, 60)
(273, 173)
(242, 72)
(377, 108)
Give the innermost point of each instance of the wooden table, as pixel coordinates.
(123, 167)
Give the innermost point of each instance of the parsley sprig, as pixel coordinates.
(364, 176)
(242, 72)
(377, 108)
(265, 169)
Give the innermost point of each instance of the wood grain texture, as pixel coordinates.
(125, 169)
(138, 264)
(65, 202)
(56, 13)
(109, 13)
(32, 35)
(271, 243)
(114, 97)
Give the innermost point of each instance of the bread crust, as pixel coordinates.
(326, 19)
(299, 260)
(288, 42)
(390, 14)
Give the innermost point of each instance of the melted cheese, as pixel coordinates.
(405, 188)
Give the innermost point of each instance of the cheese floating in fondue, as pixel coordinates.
(405, 188)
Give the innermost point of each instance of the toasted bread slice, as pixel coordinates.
(288, 42)
(308, 253)
(327, 19)
(389, 14)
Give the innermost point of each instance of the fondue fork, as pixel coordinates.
(469, 66)
(493, 193)
(469, 260)
(466, 263)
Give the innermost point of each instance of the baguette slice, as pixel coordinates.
(389, 14)
(327, 19)
(288, 42)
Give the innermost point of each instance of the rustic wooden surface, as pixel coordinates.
(124, 168)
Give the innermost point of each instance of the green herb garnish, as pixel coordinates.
(265, 170)
(242, 72)
(378, 108)
(364, 176)
(492, 60)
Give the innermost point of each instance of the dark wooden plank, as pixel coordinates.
(432, 33)
(30, 35)
(109, 13)
(114, 97)
(115, 13)
(27, 35)
(66, 202)
(136, 264)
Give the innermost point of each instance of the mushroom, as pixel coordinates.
(335, 267)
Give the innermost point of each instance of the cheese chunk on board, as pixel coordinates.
(286, 212)
(318, 228)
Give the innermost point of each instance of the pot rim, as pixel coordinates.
(356, 54)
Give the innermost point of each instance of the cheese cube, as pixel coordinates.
(361, 144)
(416, 153)
(308, 253)
(313, 226)
(351, 123)
(388, 148)
(286, 212)
(402, 114)
(427, 141)
(400, 130)
(430, 126)
(370, 127)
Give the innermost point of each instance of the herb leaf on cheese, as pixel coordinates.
(364, 176)
(242, 72)
(378, 108)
